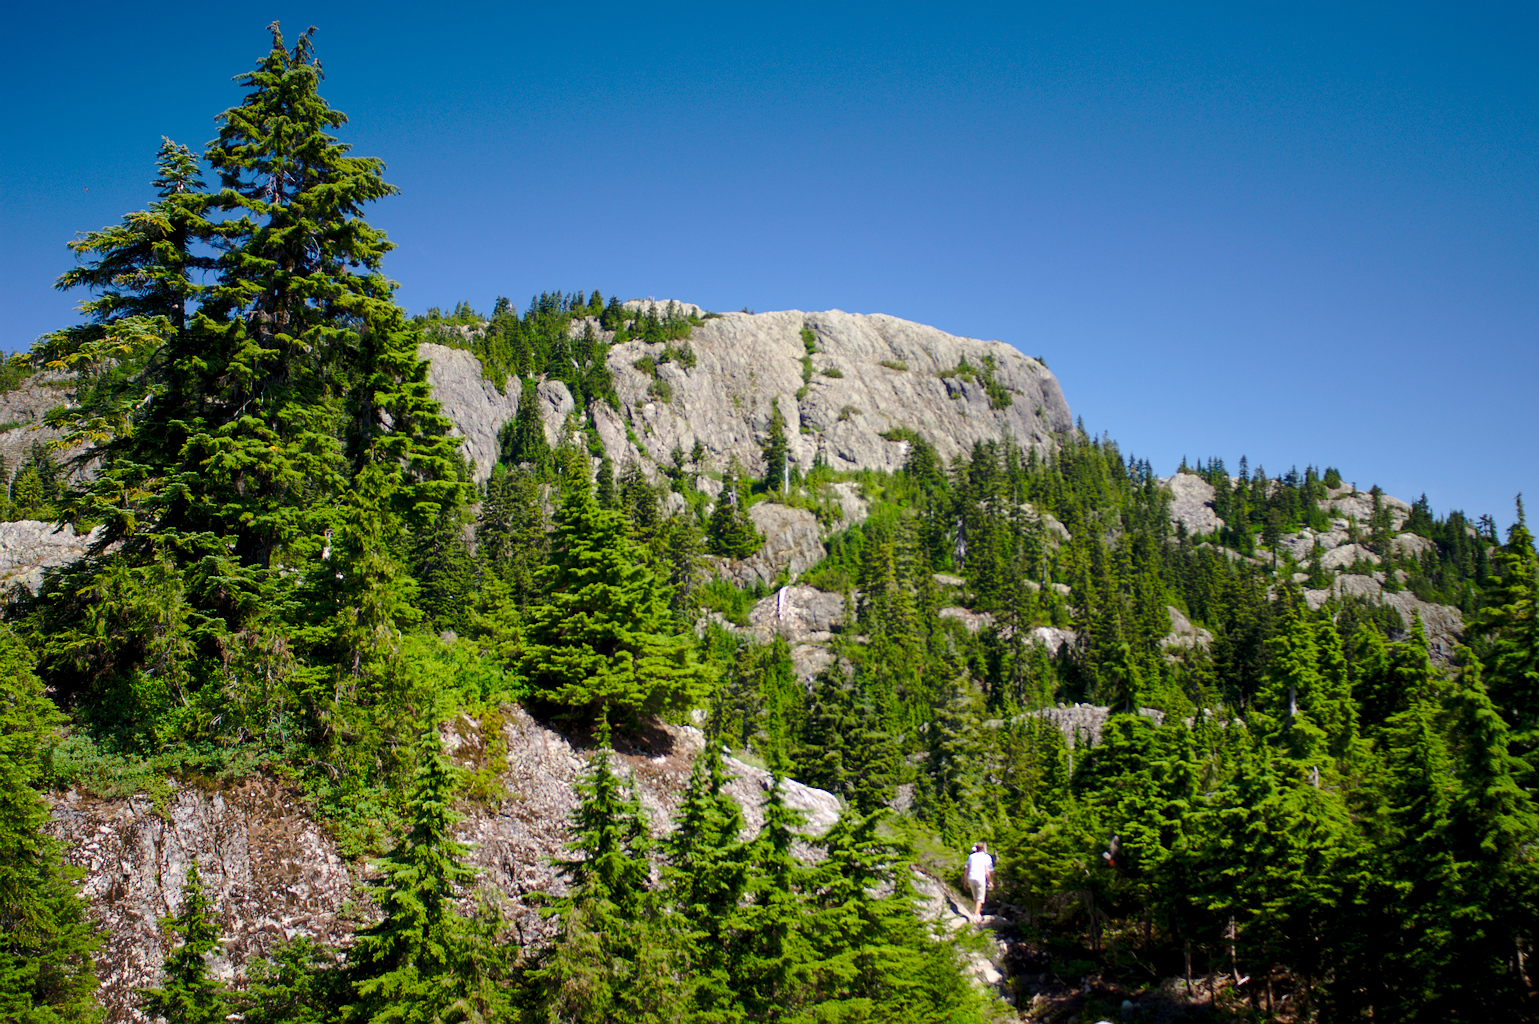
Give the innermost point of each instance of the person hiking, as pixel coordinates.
(980, 872)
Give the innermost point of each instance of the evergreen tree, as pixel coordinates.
(523, 441)
(776, 450)
(872, 958)
(1507, 635)
(772, 954)
(190, 993)
(290, 403)
(707, 873)
(732, 533)
(424, 961)
(615, 957)
(297, 982)
(604, 636)
(46, 941)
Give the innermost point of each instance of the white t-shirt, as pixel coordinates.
(979, 864)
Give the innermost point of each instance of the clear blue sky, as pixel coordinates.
(1306, 234)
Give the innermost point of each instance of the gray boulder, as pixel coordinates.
(1183, 633)
(797, 613)
(1340, 558)
(1410, 545)
(793, 543)
(1191, 503)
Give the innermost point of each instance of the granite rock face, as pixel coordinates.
(1183, 633)
(797, 613)
(793, 543)
(477, 407)
(871, 374)
(21, 413)
(269, 870)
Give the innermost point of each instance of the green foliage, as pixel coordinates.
(603, 635)
(732, 533)
(46, 946)
(189, 993)
(423, 961)
(777, 469)
(257, 509)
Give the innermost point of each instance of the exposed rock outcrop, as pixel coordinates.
(1183, 633)
(29, 547)
(1191, 503)
(273, 873)
(1442, 623)
(21, 415)
(477, 407)
(871, 375)
(793, 543)
(800, 614)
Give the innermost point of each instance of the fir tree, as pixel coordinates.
(604, 636)
(289, 406)
(190, 994)
(732, 533)
(615, 957)
(776, 450)
(424, 961)
(46, 941)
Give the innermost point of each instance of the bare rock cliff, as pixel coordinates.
(869, 375)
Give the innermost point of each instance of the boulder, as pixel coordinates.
(1347, 503)
(793, 543)
(1052, 637)
(1191, 503)
(1340, 558)
(797, 613)
(972, 621)
(1410, 545)
(1183, 633)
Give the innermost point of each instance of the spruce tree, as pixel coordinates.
(189, 993)
(46, 941)
(772, 953)
(706, 874)
(424, 961)
(604, 635)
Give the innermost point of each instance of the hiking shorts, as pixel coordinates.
(979, 887)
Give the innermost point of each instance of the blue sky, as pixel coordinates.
(1306, 234)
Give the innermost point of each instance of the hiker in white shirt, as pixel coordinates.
(980, 872)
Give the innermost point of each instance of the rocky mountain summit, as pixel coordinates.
(844, 397)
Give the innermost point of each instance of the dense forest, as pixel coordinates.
(1307, 817)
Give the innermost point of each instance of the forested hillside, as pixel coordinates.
(855, 552)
